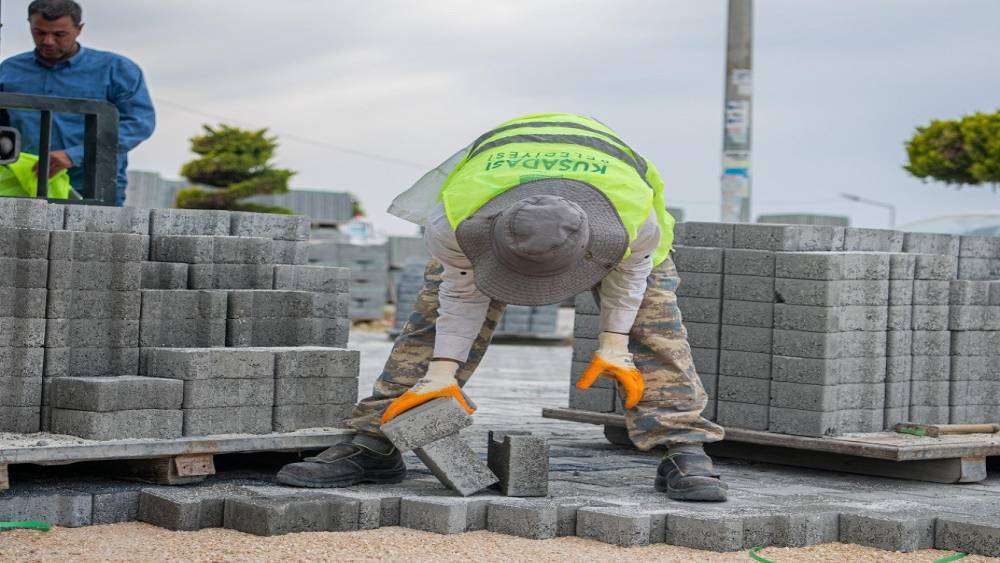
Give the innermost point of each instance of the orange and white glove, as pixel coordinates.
(613, 359)
(439, 381)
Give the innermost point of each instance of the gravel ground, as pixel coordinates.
(135, 541)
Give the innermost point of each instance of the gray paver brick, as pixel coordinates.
(103, 394)
(454, 463)
(520, 462)
(524, 518)
(426, 423)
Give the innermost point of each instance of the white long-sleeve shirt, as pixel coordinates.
(463, 307)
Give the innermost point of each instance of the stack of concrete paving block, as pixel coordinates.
(330, 298)
(975, 344)
(403, 250)
(313, 387)
(289, 234)
(431, 430)
(183, 318)
(899, 339)
(978, 257)
(602, 395)
(216, 262)
(369, 265)
(522, 320)
(23, 279)
(931, 363)
(272, 317)
(115, 408)
(409, 281)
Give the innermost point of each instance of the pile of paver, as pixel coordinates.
(369, 266)
(823, 330)
(123, 323)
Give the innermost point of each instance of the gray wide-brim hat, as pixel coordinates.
(543, 241)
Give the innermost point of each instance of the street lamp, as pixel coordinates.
(883, 204)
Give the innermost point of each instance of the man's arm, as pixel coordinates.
(622, 290)
(462, 307)
(136, 116)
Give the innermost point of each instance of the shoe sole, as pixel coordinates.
(697, 494)
(348, 482)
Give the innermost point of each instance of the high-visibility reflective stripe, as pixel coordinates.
(566, 124)
(590, 142)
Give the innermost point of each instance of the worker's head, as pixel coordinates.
(543, 241)
(55, 25)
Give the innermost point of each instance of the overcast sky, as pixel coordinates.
(838, 86)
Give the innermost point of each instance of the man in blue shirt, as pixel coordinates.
(59, 66)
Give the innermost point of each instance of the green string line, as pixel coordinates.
(953, 557)
(27, 525)
(755, 557)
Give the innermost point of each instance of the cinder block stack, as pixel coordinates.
(931, 364)
(331, 299)
(289, 234)
(217, 262)
(409, 281)
(116, 408)
(369, 266)
(183, 318)
(978, 257)
(975, 340)
(314, 387)
(23, 279)
(271, 318)
(899, 338)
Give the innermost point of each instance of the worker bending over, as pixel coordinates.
(539, 209)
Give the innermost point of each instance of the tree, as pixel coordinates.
(232, 164)
(965, 151)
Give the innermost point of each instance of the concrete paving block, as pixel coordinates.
(288, 418)
(969, 292)
(931, 243)
(749, 288)
(189, 249)
(829, 345)
(747, 313)
(208, 393)
(584, 348)
(186, 508)
(991, 318)
(744, 390)
(426, 424)
(899, 318)
(57, 216)
(24, 273)
(93, 304)
(929, 393)
(25, 303)
(899, 343)
(537, 520)
(96, 218)
(719, 235)
(706, 360)
(968, 535)
(830, 319)
(975, 268)
(24, 213)
(117, 425)
(98, 247)
(230, 276)
(184, 304)
(940, 342)
(742, 415)
(104, 394)
(117, 276)
(227, 420)
(698, 259)
(54, 505)
(20, 391)
(799, 529)
(749, 262)
(23, 243)
(20, 420)
(930, 317)
(966, 317)
(930, 368)
(624, 527)
(91, 362)
(21, 362)
(116, 333)
(256, 304)
(444, 515)
(272, 516)
(274, 331)
(585, 304)
(322, 279)
(314, 390)
(209, 363)
(270, 225)
(887, 531)
(897, 394)
(189, 222)
(700, 285)
(804, 423)
(744, 364)
(22, 333)
(520, 462)
(972, 368)
(700, 335)
(967, 343)
(164, 275)
(182, 333)
(289, 252)
(923, 414)
(898, 368)
(332, 305)
(978, 246)
(315, 362)
(935, 267)
(831, 293)
(832, 265)
(709, 532)
(873, 240)
(589, 326)
(827, 398)
(788, 237)
(902, 266)
(115, 504)
(710, 382)
(454, 463)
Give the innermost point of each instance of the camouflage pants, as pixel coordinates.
(670, 409)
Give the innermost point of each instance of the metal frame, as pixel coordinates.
(100, 142)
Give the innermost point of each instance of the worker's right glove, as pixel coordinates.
(613, 358)
(438, 382)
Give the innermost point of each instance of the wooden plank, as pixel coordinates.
(877, 445)
(952, 470)
(163, 471)
(194, 465)
(146, 449)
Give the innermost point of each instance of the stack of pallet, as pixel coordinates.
(167, 323)
(822, 330)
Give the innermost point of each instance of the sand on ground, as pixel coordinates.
(137, 541)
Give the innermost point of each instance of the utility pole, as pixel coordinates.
(735, 181)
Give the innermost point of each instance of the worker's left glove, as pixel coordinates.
(438, 382)
(613, 359)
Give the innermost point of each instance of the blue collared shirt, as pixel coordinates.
(91, 74)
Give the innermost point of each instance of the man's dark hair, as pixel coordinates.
(52, 10)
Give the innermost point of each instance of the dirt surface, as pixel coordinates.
(135, 541)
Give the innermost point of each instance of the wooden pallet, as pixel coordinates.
(173, 461)
(947, 459)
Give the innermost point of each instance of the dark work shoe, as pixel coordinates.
(686, 473)
(366, 459)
